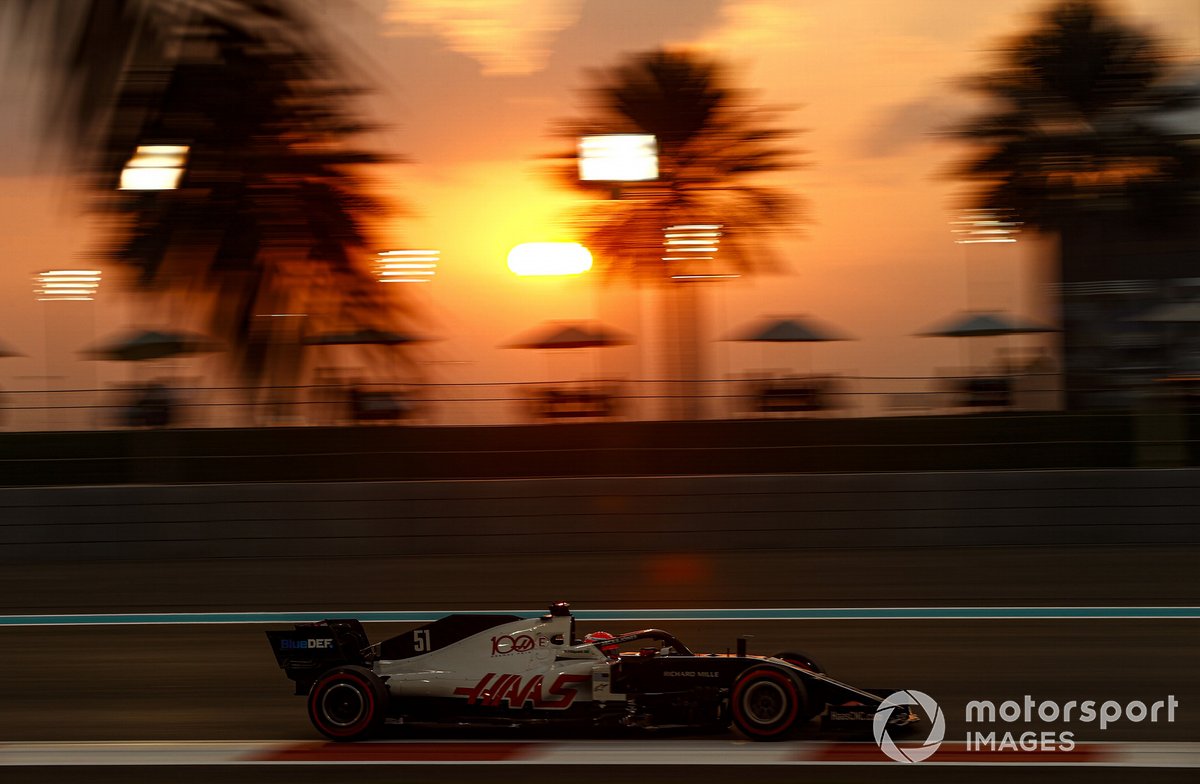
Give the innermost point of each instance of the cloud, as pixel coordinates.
(507, 37)
(899, 127)
(751, 25)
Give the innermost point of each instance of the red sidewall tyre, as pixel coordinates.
(347, 703)
(800, 660)
(767, 703)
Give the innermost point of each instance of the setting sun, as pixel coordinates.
(549, 258)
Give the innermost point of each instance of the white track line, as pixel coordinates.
(1000, 613)
(681, 752)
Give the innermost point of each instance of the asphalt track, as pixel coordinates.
(219, 682)
(650, 774)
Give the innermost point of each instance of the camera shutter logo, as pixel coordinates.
(914, 753)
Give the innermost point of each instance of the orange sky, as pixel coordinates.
(470, 89)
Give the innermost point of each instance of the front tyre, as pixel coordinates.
(800, 660)
(768, 703)
(347, 703)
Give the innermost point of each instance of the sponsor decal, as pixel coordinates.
(507, 644)
(515, 691)
(691, 674)
(851, 713)
(288, 645)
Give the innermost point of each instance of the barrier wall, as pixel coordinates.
(786, 445)
(1046, 537)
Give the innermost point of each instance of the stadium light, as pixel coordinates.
(977, 227)
(624, 157)
(690, 249)
(155, 167)
(68, 285)
(406, 266)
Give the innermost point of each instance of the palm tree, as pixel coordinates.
(1071, 129)
(716, 155)
(1074, 145)
(272, 215)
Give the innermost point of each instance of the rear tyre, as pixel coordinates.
(347, 703)
(768, 703)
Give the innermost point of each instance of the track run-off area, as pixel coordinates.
(606, 753)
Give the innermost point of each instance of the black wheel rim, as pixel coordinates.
(343, 704)
(765, 702)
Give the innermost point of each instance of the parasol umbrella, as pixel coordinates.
(975, 324)
(795, 329)
(149, 344)
(984, 324)
(5, 351)
(364, 337)
(558, 335)
(792, 329)
(153, 407)
(571, 334)
(369, 404)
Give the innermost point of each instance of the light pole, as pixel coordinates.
(690, 252)
(152, 169)
(622, 160)
(986, 227)
(411, 266)
(982, 227)
(62, 285)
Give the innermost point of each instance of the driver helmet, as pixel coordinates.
(608, 650)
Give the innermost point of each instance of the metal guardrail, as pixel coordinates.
(499, 403)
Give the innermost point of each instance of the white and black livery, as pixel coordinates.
(503, 669)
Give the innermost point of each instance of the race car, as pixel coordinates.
(473, 670)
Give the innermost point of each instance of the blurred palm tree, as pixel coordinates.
(272, 215)
(719, 162)
(717, 154)
(1073, 126)
(1076, 142)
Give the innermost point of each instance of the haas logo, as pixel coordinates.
(512, 690)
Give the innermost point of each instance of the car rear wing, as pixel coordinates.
(311, 648)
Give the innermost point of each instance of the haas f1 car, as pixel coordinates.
(508, 670)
